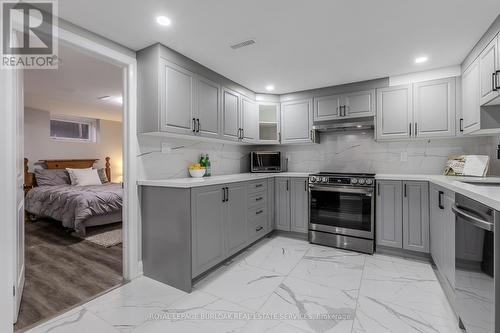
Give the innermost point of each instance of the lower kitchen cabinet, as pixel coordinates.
(235, 222)
(292, 204)
(442, 231)
(402, 219)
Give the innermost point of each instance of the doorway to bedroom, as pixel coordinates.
(73, 148)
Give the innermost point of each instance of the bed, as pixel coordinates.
(76, 207)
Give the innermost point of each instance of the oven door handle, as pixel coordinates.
(472, 219)
(367, 191)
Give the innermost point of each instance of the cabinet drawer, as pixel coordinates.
(257, 226)
(258, 198)
(257, 186)
(257, 211)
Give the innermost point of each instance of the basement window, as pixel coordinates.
(73, 129)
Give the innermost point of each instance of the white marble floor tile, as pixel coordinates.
(270, 326)
(77, 321)
(242, 284)
(312, 307)
(198, 312)
(331, 267)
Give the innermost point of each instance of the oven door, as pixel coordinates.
(344, 210)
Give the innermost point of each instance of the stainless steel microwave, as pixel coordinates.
(265, 161)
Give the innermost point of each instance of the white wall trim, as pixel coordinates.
(434, 74)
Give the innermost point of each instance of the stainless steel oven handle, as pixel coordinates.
(472, 219)
(367, 191)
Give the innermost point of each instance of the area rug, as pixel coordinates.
(105, 235)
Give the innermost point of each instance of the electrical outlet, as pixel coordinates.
(165, 148)
(404, 156)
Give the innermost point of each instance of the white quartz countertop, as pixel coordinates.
(217, 180)
(483, 189)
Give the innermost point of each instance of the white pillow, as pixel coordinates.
(83, 177)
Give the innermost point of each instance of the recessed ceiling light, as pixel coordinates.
(420, 60)
(269, 87)
(359, 126)
(163, 20)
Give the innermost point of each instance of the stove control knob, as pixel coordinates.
(354, 181)
(324, 180)
(369, 181)
(312, 179)
(361, 181)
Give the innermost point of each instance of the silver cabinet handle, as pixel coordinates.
(258, 199)
(259, 212)
(472, 219)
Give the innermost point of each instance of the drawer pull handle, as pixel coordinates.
(258, 185)
(259, 212)
(258, 199)
(259, 228)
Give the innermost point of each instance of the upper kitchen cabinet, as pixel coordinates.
(297, 122)
(488, 66)
(434, 108)
(208, 107)
(350, 105)
(422, 110)
(269, 122)
(471, 98)
(394, 112)
(231, 129)
(249, 120)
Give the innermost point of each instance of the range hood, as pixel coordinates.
(346, 124)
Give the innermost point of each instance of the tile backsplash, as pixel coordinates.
(339, 152)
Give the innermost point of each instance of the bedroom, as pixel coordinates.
(73, 184)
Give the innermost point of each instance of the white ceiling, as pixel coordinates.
(300, 44)
(74, 88)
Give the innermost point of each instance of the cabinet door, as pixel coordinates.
(177, 99)
(487, 69)
(326, 108)
(282, 206)
(449, 239)
(236, 217)
(250, 120)
(208, 107)
(270, 204)
(470, 98)
(230, 115)
(394, 112)
(296, 121)
(436, 226)
(299, 205)
(434, 108)
(207, 227)
(359, 104)
(389, 223)
(416, 216)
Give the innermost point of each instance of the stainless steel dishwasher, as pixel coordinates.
(476, 265)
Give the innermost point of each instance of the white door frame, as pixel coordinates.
(131, 232)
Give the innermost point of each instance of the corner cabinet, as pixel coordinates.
(421, 110)
(292, 204)
(297, 122)
(471, 98)
(402, 218)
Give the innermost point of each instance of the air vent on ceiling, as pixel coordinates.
(243, 44)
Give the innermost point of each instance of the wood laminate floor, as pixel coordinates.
(63, 271)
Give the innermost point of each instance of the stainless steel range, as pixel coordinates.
(342, 210)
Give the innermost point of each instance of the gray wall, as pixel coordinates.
(39, 146)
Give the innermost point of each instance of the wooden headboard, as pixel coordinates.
(29, 177)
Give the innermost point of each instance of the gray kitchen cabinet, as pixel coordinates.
(299, 205)
(208, 213)
(297, 121)
(434, 108)
(449, 239)
(249, 120)
(389, 213)
(271, 204)
(208, 107)
(327, 108)
(235, 221)
(176, 99)
(416, 216)
(394, 113)
(471, 98)
(230, 115)
(359, 104)
(282, 206)
(488, 65)
(436, 226)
